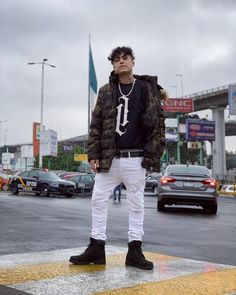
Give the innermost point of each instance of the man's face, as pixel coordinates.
(123, 64)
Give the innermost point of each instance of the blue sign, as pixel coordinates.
(232, 99)
(200, 130)
(67, 148)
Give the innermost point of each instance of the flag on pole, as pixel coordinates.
(92, 81)
(92, 86)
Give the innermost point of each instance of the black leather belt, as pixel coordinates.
(128, 154)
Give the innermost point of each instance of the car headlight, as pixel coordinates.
(54, 184)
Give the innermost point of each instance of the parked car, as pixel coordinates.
(4, 181)
(64, 174)
(41, 183)
(84, 181)
(188, 185)
(228, 189)
(153, 182)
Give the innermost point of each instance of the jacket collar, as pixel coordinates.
(151, 79)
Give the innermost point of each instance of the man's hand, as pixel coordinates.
(94, 165)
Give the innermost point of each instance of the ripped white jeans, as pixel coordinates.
(132, 174)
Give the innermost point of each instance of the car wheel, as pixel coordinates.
(44, 190)
(14, 189)
(155, 190)
(212, 209)
(160, 206)
(69, 195)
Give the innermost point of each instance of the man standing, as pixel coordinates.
(127, 136)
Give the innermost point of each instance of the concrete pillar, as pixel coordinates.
(218, 146)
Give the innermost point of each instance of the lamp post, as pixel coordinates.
(182, 84)
(41, 109)
(176, 90)
(1, 121)
(178, 116)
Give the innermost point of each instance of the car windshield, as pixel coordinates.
(48, 176)
(189, 170)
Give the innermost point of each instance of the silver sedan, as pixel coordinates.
(188, 185)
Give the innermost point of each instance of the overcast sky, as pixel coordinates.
(195, 38)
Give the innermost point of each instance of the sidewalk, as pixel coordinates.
(50, 273)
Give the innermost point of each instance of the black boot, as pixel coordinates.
(94, 254)
(135, 256)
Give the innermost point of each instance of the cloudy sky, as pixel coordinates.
(195, 38)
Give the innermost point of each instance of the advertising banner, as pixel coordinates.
(36, 137)
(200, 130)
(6, 158)
(178, 105)
(49, 143)
(232, 99)
(26, 151)
(171, 130)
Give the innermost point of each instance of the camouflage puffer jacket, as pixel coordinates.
(101, 142)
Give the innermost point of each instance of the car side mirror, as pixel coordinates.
(35, 177)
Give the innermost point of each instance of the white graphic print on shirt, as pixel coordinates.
(122, 113)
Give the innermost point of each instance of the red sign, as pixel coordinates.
(36, 135)
(178, 105)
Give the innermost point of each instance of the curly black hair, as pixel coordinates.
(120, 50)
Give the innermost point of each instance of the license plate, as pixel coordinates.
(188, 184)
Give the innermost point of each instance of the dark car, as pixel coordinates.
(188, 185)
(84, 182)
(41, 183)
(153, 183)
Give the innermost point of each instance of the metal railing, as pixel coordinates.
(225, 178)
(209, 92)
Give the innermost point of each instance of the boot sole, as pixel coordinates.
(139, 266)
(97, 262)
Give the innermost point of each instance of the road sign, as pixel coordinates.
(80, 157)
(194, 145)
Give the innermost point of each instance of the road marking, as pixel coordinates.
(211, 283)
(36, 272)
(50, 273)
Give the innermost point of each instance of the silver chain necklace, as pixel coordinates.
(125, 95)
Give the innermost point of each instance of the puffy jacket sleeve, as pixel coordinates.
(154, 121)
(94, 140)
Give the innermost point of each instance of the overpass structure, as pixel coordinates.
(216, 100)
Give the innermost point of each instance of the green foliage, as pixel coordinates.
(186, 155)
(63, 161)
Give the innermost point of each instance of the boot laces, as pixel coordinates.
(87, 249)
(140, 252)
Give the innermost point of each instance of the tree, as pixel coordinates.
(63, 161)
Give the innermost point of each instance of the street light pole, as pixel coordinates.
(178, 116)
(1, 121)
(41, 108)
(182, 84)
(176, 90)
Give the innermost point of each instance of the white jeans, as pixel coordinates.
(132, 174)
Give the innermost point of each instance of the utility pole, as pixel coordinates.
(41, 108)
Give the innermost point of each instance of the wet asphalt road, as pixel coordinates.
(31, 224)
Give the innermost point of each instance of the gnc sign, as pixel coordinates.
(178, 105)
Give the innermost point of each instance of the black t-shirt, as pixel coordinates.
(130, 132)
